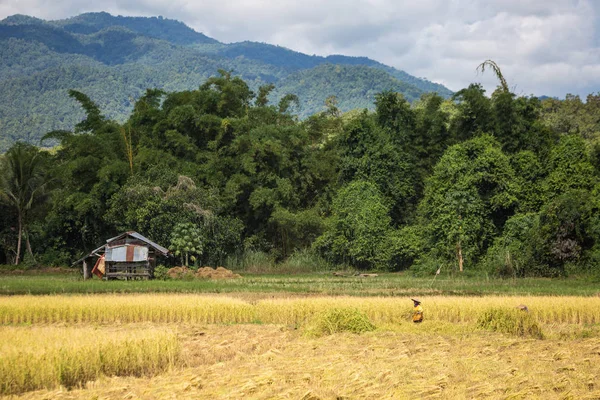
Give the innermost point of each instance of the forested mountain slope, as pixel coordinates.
(115, 59)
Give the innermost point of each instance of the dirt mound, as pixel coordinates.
(179, 272)
(218, 273)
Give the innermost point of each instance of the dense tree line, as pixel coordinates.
(504, 185)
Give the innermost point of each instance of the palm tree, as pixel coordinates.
(21, 183)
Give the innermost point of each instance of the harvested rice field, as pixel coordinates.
(155, 346)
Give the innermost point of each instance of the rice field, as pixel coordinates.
(160, 308)
(191, 346)
(45, 357)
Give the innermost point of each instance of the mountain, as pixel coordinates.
(114, 59)
(155, 27)
(355, 86)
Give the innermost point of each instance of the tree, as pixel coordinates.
(492, 64)
(21, 184)
(567, 229)
(570, 167)
(370, 152)
(286, 101)
(94, 119)
(573, 116)
(144, 207)
(517, 123)
(474, 114)
(356, 228)
(430, 138)
(470, 195)
(233, 94)
(511, 255)
(263, 94)
(395, 114)
(186, 240)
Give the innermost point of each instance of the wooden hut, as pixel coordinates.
(127, 256)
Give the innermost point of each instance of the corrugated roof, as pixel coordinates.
(146, 240)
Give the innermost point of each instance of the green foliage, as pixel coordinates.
(394, 113)
(8, 233)
(467, 200)
(156, 27)
(251, 261)
(529, 174)
(157, 212)
(570, 167)
(186, 240)
(512, 254)
(567, 230)
(405, 246)
(356, 227)
(494, 67)
(430, 137)
(429, 264)
(296, 230)
(510, 321)
(371, 153)
(94, 119)
(573, 116)
(305, 260)
(161, 273)
(22, 185)
(339, 320)
(474, 115)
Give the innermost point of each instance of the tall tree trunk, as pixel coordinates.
(460, 256)
(18, 258)
(29, 250)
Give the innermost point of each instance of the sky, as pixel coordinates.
(544, 47)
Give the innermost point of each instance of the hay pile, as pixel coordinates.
(202, 273)
(179, 272)
(218, 273)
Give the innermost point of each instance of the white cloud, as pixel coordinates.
(543, 46)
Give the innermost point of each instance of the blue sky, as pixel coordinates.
(546, 47)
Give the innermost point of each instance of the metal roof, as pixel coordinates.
(143, 239)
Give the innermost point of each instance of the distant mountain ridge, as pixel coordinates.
(86, 24)
(114, 59)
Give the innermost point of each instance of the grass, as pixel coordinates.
(337, 320)
(44, 357)
(511, 321)
(309, 284)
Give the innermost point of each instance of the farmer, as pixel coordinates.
(417, 311)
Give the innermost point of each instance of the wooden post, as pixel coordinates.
(86, 271)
